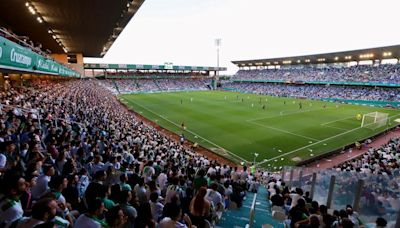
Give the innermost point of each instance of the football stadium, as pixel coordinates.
(97, 131)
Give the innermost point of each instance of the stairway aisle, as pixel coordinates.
(240, 217)
(236, 218)
(263, 213)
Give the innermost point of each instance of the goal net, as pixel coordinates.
(374, 120)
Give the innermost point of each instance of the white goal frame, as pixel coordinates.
(380, 119)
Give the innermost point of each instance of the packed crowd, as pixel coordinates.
(384, 160)
(318, 91)
(24, 41)
(145, 85)
(146, 74)
(72, 156)
(385, 73)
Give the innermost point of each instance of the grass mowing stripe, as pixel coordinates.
(284, 131)
(291, 113)
(223, 121)
(339, 128)
(235, 155)
(293, 151)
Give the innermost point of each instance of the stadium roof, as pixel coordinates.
(106, 66)
(79, 26)
(388, 52)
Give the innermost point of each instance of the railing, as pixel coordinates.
(15, 57)
(24, 43)
(252, 212)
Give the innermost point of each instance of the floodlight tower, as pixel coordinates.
(218, 43)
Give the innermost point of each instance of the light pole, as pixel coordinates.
(218, 43)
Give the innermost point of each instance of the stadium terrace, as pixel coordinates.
(302, 142)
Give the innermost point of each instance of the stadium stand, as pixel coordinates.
(24, 41)
(317, 91)
(154, 85)
(334, 198)
(50, 135)
(384, 160)
(71, 155)
(384, 74)
(73, 147)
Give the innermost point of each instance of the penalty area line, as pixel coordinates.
(333, 121)
(304, 147)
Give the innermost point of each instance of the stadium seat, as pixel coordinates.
(278, 215)
(267, 226)
(277, 208)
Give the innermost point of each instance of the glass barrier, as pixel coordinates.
(380, 197)
(344, 190)
(322, 186)
(371, 195)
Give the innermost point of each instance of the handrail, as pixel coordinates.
(33, 48)
(252, 211)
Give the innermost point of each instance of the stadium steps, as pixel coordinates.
(158, 86)
(116, 86)
(263, 213)
(237, 217)
(240, 217)
(136, 84)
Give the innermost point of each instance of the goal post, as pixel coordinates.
(374, 120)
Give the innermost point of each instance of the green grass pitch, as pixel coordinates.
(282, 133)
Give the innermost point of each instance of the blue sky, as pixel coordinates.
(183, 31)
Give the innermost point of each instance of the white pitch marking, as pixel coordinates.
(191, 132)
(288, 114)
(335, 127)
(333, 121)
(284, 131)
(298, 149)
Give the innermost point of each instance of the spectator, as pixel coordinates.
(175, 220)
(200, 208)
(92, 217)
(43, 211)
(116, 218)
(156, 207)
(10, 207)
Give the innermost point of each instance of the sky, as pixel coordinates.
(184, 31)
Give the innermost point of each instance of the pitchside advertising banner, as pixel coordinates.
(16, 57)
